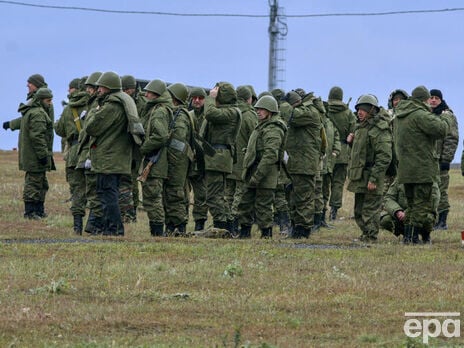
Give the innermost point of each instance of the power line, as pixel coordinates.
(89, 9)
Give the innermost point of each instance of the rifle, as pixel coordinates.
(151, 161)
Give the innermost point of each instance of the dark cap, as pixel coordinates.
(436, 93)
(37, 80)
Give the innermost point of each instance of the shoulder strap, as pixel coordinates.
(77, 119)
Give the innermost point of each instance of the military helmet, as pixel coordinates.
(253, 93)
(197, 92)
(293, 97)
(301, 92)
(156, 86)
(128, 82)
(43, 93)
(278, 93)
(226, 93)
(93, 78)
(268, 103)
(262, 94)
(75, 83)
(179, 91)
(110, 80)
(367, 99)
(421, 93)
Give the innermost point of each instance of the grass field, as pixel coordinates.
(137, 291)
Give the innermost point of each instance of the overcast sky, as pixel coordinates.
(362, 54)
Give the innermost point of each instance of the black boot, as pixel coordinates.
(179, 230)
(156, 229)
(407, 236)
(300, 232)
(200, 224)
(317, 222)
(333, 213)
(283, 222)
(415, 234)
(170, 227)
(266, 233)
(30, 211)
(441, 224)
(323, 223)
(40, 209)
(78, 224)
(244, 232)
(425, 233)
(90, 225)
(223, 225)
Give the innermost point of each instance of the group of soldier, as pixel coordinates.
(274, 159)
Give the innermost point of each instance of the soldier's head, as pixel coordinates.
(34, 82)
(395, 97)
(154, 89)
(254, 97)
(266, 106)
(278, 94)
(367, 106)
(336, 93)
(108, 82)
(244, 94)
(44, 96)
(179, 93)
(128, 84)
(420, 93)
(226, 93)
(436, 97)
(197, 96)
(91, 82)
(74, 85)
(293, 98)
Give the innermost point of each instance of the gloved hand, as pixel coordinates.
(88, 164)
(43, 161)
(6, 125)
(444, 166)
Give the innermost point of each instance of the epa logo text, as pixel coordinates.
(432, 324)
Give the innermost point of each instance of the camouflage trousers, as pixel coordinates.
(318, 197)
(233, 195)
(338, 185)
(256, 207)
(444, 205)
(215, 200)
(175, 204)
(200, 209)
(152, 192)
(389, 223)
(76, 181)
(35, 187)
(422, 204)
(367, 213)
(93, 202)
(302, 200)
(281, 199)
(126, 199)
(326, 189)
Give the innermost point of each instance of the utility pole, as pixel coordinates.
(277, 32)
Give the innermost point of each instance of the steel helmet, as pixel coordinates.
(93, 78)
(293, 97)
(179, 91)
(367, 99)
(156, 86)
(110, 80)
(268, 103)
(128, 82)
(43, 93)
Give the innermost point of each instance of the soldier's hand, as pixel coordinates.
(214, 92)
(400, 215)
(371, 186)
(6, 125)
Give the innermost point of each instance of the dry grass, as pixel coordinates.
(166, 292)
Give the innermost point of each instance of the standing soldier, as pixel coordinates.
(261, 165)
(69, 127)
(129, 186)
(303, 148)
(35, 149)
(220, 130)
(180, 154)
(157, 116)
(111, 147)
(371, 155)
(234, 183)
(416, 133)
(446, 149)
(197, 172)
(345, 121)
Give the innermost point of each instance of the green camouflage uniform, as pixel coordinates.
(371, 155)
(220, 130)
(393, 201)
(416, 132)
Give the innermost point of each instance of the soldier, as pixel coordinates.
(83, 165)
(68, 127)
(129, 186)
(371, 155)
(303, 148)
(446, 149)
(345, 121)
(220, 130)
(234, 183)
(180, 155)
(35, 149)
(157, 116)
(394, 205)
(261, 165)
(416, 132)
(197, 172)
(111, 147)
